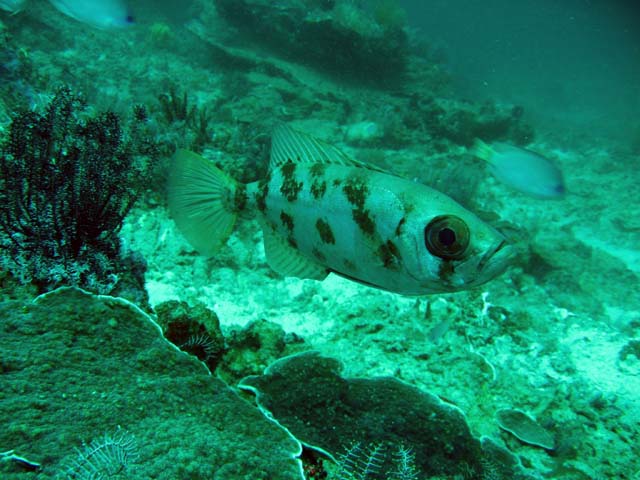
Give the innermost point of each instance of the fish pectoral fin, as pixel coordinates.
(288, 261)
(290, 146)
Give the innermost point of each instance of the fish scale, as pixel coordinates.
(327, 227)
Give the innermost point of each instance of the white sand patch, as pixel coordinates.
(611, 242)
(596, 355)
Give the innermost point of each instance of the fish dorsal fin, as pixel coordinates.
(290, 146)
(286, 260)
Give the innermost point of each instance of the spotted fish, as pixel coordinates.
(323, 212)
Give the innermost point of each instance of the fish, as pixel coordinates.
(323, 212)
(522, 169)
(13, 6)
(101, 14)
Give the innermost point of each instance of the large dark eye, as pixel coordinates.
(447, 237)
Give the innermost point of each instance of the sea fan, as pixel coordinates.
(103, 458)
(201, 345)
(405, 464)
(360, 463)
(376, 462)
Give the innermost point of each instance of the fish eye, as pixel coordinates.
(447, 237)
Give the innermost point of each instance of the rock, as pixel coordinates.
(524, 428)
(344, 40)
(306, 394)
(195, 330)
(77, 366)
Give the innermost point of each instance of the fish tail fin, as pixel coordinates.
(202, 201)
(482, 150)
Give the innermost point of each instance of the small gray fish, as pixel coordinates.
(323, 212)
(13, 6)
(102, 14)
(522, 169)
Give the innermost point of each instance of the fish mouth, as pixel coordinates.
(500, 255)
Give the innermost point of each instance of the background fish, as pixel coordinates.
(522, 169)
(12, 6)
(98, 13)
(323, 212)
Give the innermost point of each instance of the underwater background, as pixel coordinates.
(126, 354)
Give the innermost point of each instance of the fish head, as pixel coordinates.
(453, 249)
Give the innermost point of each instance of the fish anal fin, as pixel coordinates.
(286, 260)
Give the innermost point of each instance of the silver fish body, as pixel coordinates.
(102, 14)
(522, 169)
(322, 212)
(373, 227)
(12, 6)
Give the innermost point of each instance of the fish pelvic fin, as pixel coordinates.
(482, 150)
(203, 200)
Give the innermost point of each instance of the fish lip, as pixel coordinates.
(501, 246)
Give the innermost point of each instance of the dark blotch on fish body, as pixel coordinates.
(357, 191)
(318, 255)
(317, 169)
(390, 255)
(318, 188)
(364, 221)
(287, 221)
(240, 198)
(349, 265)
(290, 188)
(261, 195)
(325, 232)
(445, 271)
(398, 230)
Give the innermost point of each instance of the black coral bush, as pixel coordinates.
(67, 181)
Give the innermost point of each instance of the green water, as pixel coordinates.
(170, 365)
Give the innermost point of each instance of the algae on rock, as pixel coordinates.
(76, 366)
